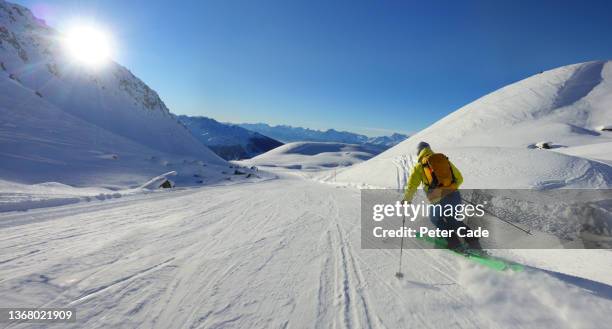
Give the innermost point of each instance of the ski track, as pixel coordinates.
(278, 254)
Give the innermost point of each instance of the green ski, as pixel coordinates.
(476, 256)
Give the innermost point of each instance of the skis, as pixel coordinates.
(477, 256)
(490, 261)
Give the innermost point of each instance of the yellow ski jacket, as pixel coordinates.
(417, 177)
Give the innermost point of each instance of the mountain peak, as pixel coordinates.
(110, 97)
(287, 134)
(229, 141)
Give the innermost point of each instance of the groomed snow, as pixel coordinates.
(282, 253)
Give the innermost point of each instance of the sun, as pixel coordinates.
(88, 45)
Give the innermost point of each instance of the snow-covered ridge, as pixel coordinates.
(287, 134)
(492, 139)
(566, 103)
(91, 131)
(229, 141)
(31, 55)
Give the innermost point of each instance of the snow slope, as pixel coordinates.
(597, 151)
(111, 97)
(61, 122)
(491, 139)
(229, 141)
(314, 155)
(279, 254)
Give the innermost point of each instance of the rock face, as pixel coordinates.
(229, 141)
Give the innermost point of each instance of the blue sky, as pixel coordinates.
(367, 66)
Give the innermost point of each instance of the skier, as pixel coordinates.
(441, 181)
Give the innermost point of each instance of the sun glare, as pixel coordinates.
(88, 45)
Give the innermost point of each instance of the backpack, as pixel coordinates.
(438, 171)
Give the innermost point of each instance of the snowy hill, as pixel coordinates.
(298, 134)
(315, 155)
(230, 142)
(492, 139)
(62, 122)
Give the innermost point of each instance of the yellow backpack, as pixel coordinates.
(438, 171)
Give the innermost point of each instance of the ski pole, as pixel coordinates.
(399, 273)
(503, 220)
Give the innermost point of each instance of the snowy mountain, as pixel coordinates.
(492, 140)
(387, 141)
(64, 122)
(315, 155)
(230, 142)
(289, 134)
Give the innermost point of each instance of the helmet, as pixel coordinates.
(421, 146)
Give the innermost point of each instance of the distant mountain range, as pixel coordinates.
(243, 141)
(288, 134)
(230, 142)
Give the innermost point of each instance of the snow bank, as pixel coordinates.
(156, 182)
(19, 197)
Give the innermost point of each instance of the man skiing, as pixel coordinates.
(441, 181)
